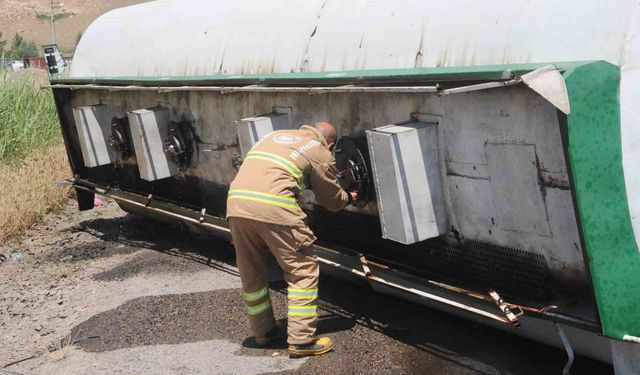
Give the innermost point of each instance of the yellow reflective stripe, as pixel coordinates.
(303, 310)
(284, 163)
(258, 309)
(303, 293)
(262, 200)
(251, 297)
(281, 197)
(273, 199)
(278, 159)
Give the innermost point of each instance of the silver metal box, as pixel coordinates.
(253, 129)
(150, 130)
(406, 171)
(94, 129)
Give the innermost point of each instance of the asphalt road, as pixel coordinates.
(125, 295)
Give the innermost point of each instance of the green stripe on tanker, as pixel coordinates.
(595, 154)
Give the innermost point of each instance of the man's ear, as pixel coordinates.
(330, 145)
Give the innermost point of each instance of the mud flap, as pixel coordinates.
(85, 200)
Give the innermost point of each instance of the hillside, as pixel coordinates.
(30, 18)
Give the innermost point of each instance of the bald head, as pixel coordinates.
(328, 132)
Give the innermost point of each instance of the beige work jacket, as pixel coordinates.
(274, 172)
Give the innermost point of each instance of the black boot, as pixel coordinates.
(277, 333)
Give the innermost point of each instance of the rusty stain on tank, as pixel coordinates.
(442, 58)
(462, 53)
(418, 59)
(185, 66)
(324, 61)
(224, 51)
(505, 54)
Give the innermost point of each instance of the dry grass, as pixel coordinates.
(32, 157)
(30, 189)
(63, 347)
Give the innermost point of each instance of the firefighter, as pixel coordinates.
(264, 216)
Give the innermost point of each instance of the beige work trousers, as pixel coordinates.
(293, 250)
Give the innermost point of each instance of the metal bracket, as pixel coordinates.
(633, 339)
(101, 190)
(480, 86)
(549, 83)
(507, 74)
(512, 316)
(236, 161)
(365, 267)
(148, 200)
(375, 279)
(203, 212)
(567, 348)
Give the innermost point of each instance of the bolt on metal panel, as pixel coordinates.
(150, 130)
(94, 129)
(406, 172)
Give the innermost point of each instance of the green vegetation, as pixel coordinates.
(3, 45)
(20, 48)
(32, 156)
(28, 117)
(57, 16)
(78, 37)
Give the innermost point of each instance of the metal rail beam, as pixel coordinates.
(312, 90)
(367, 275)
(145, 203)
(479, 87)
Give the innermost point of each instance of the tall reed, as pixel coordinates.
(28, 118)
(32, 156)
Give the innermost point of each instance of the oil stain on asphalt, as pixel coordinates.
(373, 333)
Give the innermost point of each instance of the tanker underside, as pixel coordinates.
(506, 188)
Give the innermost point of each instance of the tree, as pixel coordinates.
(17, 41)
(78, 37)
(3, 45)
(22, 49)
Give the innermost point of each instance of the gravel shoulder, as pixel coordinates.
(104, 292)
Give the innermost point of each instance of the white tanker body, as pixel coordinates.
(534, 103)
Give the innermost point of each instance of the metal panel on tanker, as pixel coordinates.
(406, 171)
(149, 130)
(517, 198)
(253, 129)
(94, 129)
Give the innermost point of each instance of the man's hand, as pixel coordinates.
(354, 196)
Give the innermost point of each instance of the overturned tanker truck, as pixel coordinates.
(495, 144)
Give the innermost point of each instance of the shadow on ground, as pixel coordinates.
(373, 333)
(130, 234)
